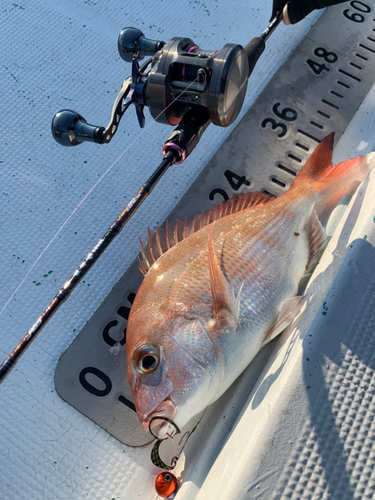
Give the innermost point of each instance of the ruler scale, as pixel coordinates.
(315, 92)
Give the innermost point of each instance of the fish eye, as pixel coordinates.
(148, 363)
(146, 359)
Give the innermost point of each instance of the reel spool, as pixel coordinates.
(215, 80)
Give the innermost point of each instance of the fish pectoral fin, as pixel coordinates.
(287, 314)
(226, 306)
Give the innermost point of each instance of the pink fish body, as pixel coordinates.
(219, 287)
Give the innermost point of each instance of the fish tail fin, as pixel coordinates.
(319, 174)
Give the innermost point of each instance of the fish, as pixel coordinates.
(219, 286)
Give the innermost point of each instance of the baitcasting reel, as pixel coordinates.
(181, 84)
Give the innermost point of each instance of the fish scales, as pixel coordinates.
(210, 302)
(244, 254)
(188, 285)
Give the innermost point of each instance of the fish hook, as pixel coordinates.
(155, 457)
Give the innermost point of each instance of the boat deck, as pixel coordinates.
(300, 422)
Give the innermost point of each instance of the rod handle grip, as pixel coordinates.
(254, 49)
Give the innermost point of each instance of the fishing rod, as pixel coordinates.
(182, 85)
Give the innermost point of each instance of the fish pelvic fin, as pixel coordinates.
(319, 174)
(226, 306)
(162, 240)
(287, 314)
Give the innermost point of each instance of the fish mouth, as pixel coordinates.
(166, 409)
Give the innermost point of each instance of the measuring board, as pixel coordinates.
(317, 91)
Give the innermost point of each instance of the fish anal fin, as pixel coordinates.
(289, 311)
(316, 240)
(226, 306)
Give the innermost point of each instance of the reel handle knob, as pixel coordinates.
(69, 128)
(133, 44)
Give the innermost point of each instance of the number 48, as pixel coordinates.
(329, 57)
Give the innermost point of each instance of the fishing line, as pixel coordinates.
(86, 196)
(175, 457)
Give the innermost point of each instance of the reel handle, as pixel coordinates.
(132, 44)
(69, 128)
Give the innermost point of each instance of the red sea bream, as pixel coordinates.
(219, 287)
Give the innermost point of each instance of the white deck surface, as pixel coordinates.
(63, 54)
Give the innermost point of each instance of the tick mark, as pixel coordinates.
(323, 114)
(302, 146)
(333, 92)
(127, 403)
(350, 75)
(366, 48)
(361, 57)
(308, 135)
(267, 192)
(286, 169)
(317, 125)
(355, 65)
(343, 84)
(279, 183)
(330, 104)
(295, 158)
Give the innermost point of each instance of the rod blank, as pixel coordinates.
(92, 257)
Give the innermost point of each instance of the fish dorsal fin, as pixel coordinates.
(226, 306)
(316, 239)
(162, 240)
(319, 163)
